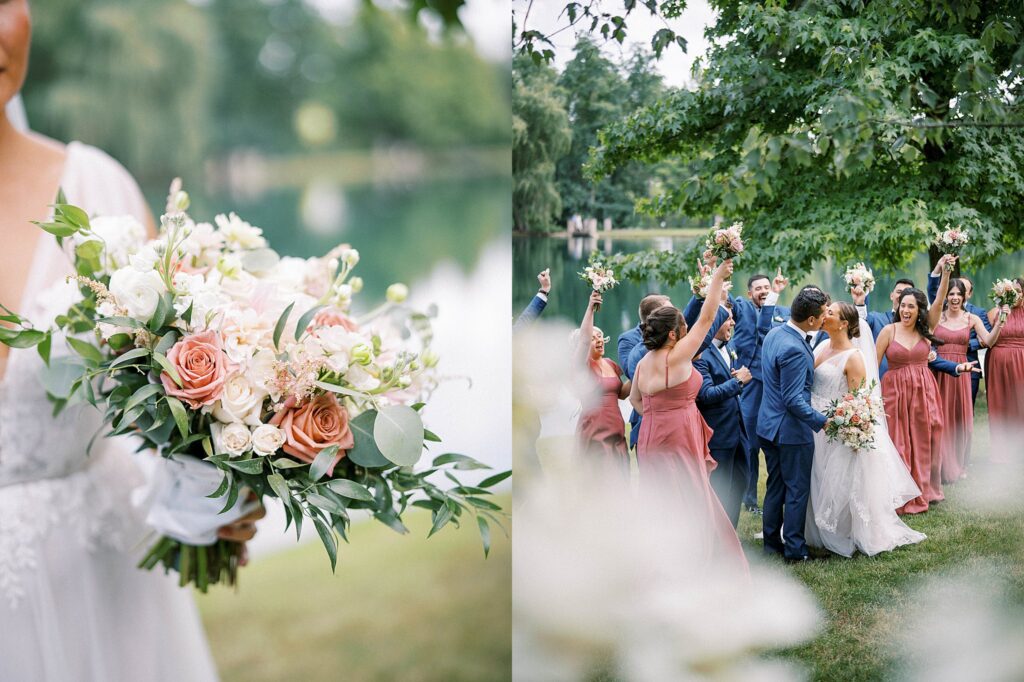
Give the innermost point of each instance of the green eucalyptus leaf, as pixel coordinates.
(398, 432)
(365, 452)
(322, 462)
(329, 542)
(307, 317)
(281, 322)
(350, 489)
(247, 466)
(179, 414)
(86, 350)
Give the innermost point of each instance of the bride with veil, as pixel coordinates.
(854, 495)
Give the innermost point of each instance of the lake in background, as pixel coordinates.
(568, 301)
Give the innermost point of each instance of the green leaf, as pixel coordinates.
(129, 356)
(167, 342)
(164, 363)
(485, 534)
(61, 375)
(164, 312)
(179, 414)
(461, 462)
(322, 462)
(398, 432)
(247, 466)
(391, 520)
(306, 318)
(431, 436)
(122, 322)
(441, 518)
(350, 489)
(232, 493)
(496, 478)
(142, 394)
(286, 463)
(22, 339)
(483, 504)
(325, 503)
(73, 214)
(222, 488)
(334, 388)
(44, 348)
(58, 229)
(281, 322)
(280, 487)
(365, 452)
(329, 542)
(86, 350)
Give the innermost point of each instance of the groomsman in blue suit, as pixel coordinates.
(633, 338)
(718, 400)
(537, 304)
(879, 321)
(690, 315)
(975, 345)
(786, 424)
(747, 340)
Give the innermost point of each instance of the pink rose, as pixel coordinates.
(736, 245)
(332, 317)
(313, 426)
(202, 366)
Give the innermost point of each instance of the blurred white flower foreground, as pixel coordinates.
(605, 577)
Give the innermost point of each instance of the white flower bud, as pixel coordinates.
(351, 258)
(182, 201)
(357, 284)
(397, 293)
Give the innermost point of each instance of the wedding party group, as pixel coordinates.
(862, 417)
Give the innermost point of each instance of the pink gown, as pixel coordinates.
(957, 405)
(673, 448)
(601, 432)
(911, 398)
(1004, 382)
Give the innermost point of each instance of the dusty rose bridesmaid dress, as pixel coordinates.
(1004, 382)
(957, 406)
(915, 425)
(601, 430)
(673, 448)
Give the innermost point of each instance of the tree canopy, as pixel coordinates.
(844, 128)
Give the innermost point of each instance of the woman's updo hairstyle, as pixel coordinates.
(658, 325)
(849, 314)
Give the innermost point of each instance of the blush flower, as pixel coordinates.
(202, 366)
(314, 425)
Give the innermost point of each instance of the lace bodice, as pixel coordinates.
(46, 475)
(830, 380)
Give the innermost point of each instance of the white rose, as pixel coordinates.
(145, 259)
(261, 372)
(233, 439)
(121, 236)
(238, 234)
(137, 292)
(267, 439)
(240, 402)
(360, 379)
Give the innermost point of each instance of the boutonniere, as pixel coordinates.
(778, 318)
(732, 353)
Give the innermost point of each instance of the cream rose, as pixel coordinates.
(240, 402)
(267, 439)
(235, 439)
(137, 292)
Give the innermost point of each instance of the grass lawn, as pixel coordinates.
(864, 597)
(399, 608)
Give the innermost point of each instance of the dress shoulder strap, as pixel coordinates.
(666, 370)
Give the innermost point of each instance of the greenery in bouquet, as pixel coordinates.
(724, 243)
(1004, 292)
(852, 419)
(217, 352)
(952, 240)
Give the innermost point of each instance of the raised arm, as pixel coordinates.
(935, 310)
(883, 341)
(579, 353)
(988, 338)
(690, 345)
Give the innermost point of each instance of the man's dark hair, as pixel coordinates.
(808, 303)
(908, 282)
(815, 287)
(754, 278)
(650, 303)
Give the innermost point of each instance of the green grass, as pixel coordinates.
(399, 608)
(864, 598)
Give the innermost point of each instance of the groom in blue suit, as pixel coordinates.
(786, 424)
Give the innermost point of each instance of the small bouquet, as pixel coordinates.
(724, 244)
(599, 277)
(859, 276)
(1004, 292)
(852, 418)
(249, 374)
(951, 240)
(699, 284)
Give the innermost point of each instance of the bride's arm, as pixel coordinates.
(856, 373)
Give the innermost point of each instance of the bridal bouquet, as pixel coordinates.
(249, 374)
(852, 418)
(724, 244)
(1004, 292)
(951, 240)
(599, 277)
(859, 276)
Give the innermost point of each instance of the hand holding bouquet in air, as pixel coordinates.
(951, 240)
(1005, 293)
(598, 277)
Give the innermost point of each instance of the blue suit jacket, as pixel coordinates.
(532, 311)
(719, 400)
(975, 345)
(627, 341)
(787, 367)
(745, 337)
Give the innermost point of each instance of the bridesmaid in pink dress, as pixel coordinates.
(673, 444)
(955, 392)
(1004, 382)
(910, 393)
(601, 431)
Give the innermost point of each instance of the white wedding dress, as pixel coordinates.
(73, 605)
(854, 495)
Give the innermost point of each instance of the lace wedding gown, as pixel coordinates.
(854, 495)
(73, 606)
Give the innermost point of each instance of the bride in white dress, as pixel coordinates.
(73, 605)
(854, 495)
